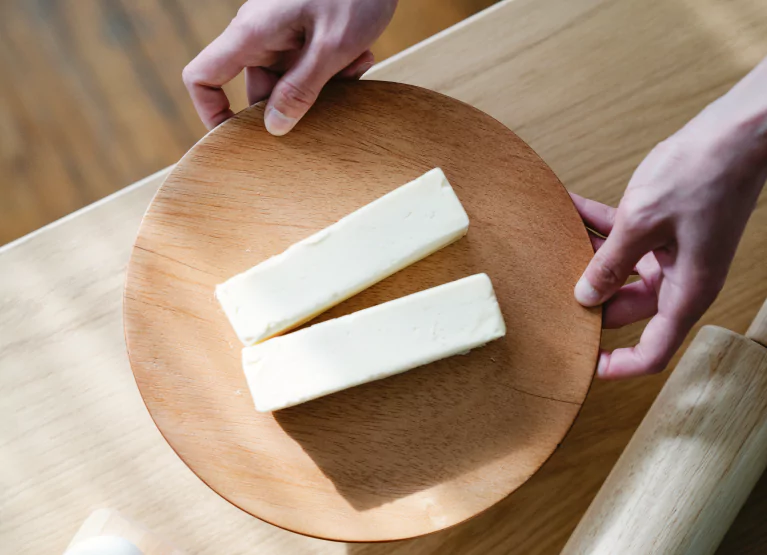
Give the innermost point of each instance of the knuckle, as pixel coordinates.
(641, 213)
(654, 279)
(655, 363)
(244, 11)
(634, 219)
(247, 25)
(243, 18)
(337, 41)
(604, 272)
(295, 96)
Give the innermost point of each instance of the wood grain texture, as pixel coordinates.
(591, 85)
(108, 522)
(757, 331)
(693, 461)
(415, 20)
(385, 460)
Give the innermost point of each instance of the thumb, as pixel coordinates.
(298, 89)
(612, 265)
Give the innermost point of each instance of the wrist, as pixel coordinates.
(748, 134)
(734, 135)
(742, 115)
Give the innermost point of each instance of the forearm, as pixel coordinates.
(741, 114)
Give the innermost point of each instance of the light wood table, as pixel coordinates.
(592, 85)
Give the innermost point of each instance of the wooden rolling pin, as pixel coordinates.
(695, 457)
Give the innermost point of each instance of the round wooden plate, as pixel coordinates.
(400, 457)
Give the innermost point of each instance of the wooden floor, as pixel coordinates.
(91, 97)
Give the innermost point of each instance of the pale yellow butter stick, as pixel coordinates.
(359, 250)
(374, 343)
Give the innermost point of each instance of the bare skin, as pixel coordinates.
(678, 224)
(289, 50)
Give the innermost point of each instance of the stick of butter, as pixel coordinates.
(368, 245)
(373, 343)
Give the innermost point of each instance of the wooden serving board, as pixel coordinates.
(403, 456)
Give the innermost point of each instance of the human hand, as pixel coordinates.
(678, 226)
(289, 50)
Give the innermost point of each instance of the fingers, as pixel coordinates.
(661, 338)
(611, 265)
(650, 271)
(632, 303)
(358, 67)
(596, 215)
(298, 89)
(220, 62)
(635, 301)
(681, 302)
(259, 83)
(596, 241)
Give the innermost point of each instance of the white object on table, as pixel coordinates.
(374, 343)
(104, 545)
(361, 249)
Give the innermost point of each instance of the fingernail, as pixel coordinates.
(278, 123)
(602, 366)
(585, 293)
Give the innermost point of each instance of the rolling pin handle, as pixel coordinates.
(757, 331)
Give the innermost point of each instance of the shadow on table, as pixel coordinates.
(395, 437)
